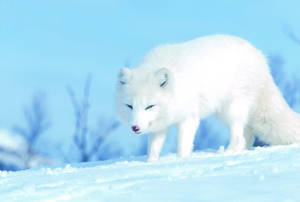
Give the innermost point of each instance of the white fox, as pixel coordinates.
(180, 84)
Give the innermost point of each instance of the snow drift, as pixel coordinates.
(262, 174)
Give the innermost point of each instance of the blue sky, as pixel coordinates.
(48, 45)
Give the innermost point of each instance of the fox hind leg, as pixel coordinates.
(241, 136)
(249, 137)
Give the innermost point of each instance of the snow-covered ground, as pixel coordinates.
(14, 153)
(262, 174)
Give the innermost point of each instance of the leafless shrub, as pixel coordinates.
(82, 132)
(36, 123)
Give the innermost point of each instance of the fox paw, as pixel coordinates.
(152, 159)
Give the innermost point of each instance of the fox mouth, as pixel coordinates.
(138, 132)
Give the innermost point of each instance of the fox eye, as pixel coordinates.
(149, 107)
(129, 106)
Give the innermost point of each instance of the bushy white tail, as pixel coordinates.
(274, 121)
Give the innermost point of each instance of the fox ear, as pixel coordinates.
(163, 76)
(124, 76)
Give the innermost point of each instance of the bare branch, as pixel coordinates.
(36, 122)
(289, 32)
(290, 88)
(81, 111)
(82, 130)
(99, 140)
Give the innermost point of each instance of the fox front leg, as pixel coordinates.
(186, 133)
(155, 144)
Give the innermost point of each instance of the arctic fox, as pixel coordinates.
(180, 84)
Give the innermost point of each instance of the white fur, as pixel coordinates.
(219, 74)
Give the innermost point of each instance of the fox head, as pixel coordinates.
(142, 98)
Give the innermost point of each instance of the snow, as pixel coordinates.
(262, 174)
(13, 148)
(12, 142)
(14, 153)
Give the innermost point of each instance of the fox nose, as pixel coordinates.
(135, 128)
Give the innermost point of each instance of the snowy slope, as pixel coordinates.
(263, 174)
